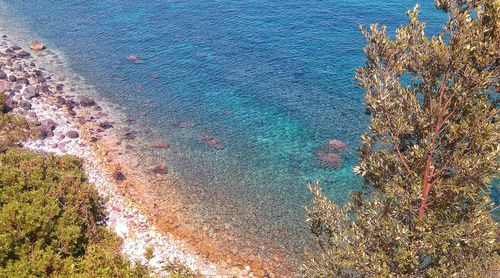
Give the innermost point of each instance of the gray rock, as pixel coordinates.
(49, 123)
(10, 104)
(31, 92)
(44, 132)
(23, 54)
(105, 125)
(72, 134)
(26, 105)
(4, 86)
(12, 78)
(3, 75)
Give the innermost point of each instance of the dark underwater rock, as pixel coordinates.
(119, 176)
(86, 101)
(160, 169)
(328, 159)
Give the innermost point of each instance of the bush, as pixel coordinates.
(52, 221)
(13, 129)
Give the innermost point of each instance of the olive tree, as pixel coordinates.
(428, 158)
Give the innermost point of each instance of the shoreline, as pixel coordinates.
(167, 202)
(65, 114)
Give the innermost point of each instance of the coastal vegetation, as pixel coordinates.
(52, 220)
(13, 129)
(428, 159)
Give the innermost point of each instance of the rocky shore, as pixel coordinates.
(70, 122)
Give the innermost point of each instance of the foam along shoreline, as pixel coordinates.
(32, 92)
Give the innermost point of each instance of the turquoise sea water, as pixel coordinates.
(273, 80)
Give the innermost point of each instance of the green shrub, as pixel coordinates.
(52, 221)
(13, 129)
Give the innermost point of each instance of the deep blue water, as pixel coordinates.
(273, 80)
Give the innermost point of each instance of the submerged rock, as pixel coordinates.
(119, 176)
(160, 145)
(185, 124)
(105, 125)
(329, 159)
(212, 141)
(336, 145)
(160, 169)
(135, 59)
(129, 135)
(86, 101)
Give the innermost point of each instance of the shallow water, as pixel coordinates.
(273, 80)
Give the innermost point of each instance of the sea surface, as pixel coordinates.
(272, 80)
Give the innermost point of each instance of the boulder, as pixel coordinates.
(31, 92)
(44, 132)
(37, 46)
(72, 134)
(23, 54)
(105, 125)
(9, 104)
(45, 129)
(3, 75)
(15, 47)
(38, 73)
(49, 123)
(86, 101)
(12, 78)
(26, 105)
(5, 86)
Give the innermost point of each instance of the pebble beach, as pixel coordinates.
(71, 123)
